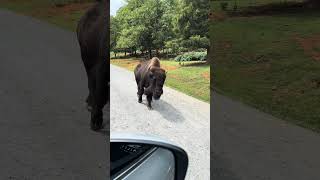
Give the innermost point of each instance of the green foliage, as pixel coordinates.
(192, 18)
(148, 25)
(141, 25)
(192, 56)
(196, 42)
(114, 32)
(173, 45)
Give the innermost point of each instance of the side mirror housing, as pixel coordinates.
(139, 157)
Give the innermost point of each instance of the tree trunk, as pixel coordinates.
(150, 53)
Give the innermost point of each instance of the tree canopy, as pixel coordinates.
(174, 25)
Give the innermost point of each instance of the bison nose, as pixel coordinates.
(156, 96)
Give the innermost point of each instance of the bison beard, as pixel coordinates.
(93, 38)
(150, 79)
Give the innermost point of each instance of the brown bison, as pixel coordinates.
(93, 37)
(150, 79)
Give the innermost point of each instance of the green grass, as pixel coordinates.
(216, 4)
(65, 17)
(259, 61)
(192, 79)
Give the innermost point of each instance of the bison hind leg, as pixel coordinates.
(100, 95)
(89, 102)
(96, 120)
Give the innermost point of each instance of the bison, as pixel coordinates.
(93, 38)
(150, 79)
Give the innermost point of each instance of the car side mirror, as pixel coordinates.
(140, 157)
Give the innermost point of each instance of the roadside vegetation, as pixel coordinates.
(160, 27)
(63, 13)
(270, 60)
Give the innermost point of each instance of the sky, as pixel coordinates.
(115, 5)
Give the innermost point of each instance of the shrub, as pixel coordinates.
(178, 58)
(192, 56)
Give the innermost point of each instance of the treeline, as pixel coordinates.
(160, 26)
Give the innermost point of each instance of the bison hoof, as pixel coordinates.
(96, 126)
(150, 108)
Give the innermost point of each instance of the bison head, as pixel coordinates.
(156, 78)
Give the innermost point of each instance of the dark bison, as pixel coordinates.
(93, 37)
(150, 79)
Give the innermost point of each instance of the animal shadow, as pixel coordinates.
(168, 111)
(105, 130)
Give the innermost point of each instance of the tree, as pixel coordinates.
(147, 25)
(142, 25)
(195, 42)
(114, 34)
(192, 20)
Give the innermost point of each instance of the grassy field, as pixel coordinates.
(191, 79)
(65, 16)
(216, 4)
(272, 63)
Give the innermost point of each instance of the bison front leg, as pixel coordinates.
(140, 92)
(149, 99)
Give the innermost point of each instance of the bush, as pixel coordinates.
(178, 58)
(192, 56)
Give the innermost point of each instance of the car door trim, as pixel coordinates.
(134, 165)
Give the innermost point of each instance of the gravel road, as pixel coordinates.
(44, 126)
(250, 144)
(176, 117)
